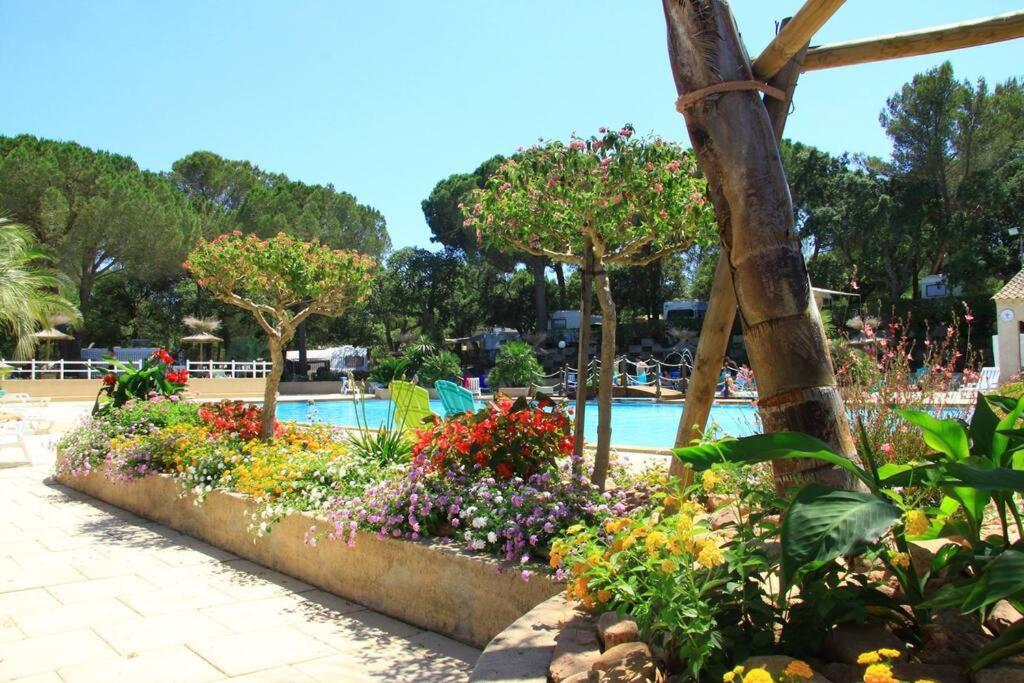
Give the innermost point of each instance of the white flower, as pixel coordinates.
(477, 544)
(479, 522)
(492, 537)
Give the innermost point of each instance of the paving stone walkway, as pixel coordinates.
(89, 592)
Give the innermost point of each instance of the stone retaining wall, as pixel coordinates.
(431, 584)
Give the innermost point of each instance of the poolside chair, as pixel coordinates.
(412, 405)
(456, 399)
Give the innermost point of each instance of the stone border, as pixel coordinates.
(523, 651)
(432, 584)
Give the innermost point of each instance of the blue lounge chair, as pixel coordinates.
(456, 399)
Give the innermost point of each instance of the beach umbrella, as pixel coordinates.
(50, 335)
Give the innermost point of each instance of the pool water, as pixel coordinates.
(634, 423)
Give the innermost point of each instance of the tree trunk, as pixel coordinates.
(300, 342)
(540, 293)
(270, 388)
(604, 389)
(84, 306)
(735, 145)
(563, 298)
(582, 373)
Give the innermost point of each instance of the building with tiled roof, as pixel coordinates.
(1009, 327)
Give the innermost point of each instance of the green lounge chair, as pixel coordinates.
(412, 405)
(456, 399)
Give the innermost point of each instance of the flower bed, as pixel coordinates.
(347, 498)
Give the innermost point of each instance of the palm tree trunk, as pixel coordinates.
(604, 389)
(735, 145)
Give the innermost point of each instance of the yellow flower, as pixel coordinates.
(915, 522)
(655, 540)
(889, 653)
(668, 566)
(728, 677)
(901, 560)
(709, 480)
(869, 658)
(604, 595)
(628, 542)
(684, 524)
(758, 676)
(879, 673)
(798, 669)
(710, 555)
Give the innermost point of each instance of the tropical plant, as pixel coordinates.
(30, 291)
(972, 465)
(515, 366)
(385, 444)
(439, 365)
(387, 370)
(282, 282)
(624, 200)
(416, 351)
(154, 380)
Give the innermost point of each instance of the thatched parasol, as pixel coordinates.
(203, 329)
(50, 335)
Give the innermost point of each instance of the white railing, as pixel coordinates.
(96, 369)
(228, 368)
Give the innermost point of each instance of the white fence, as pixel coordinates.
(96, 369)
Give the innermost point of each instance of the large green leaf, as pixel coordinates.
(983, 478)
(984, 423)
(822, 524)
(767, 447)
(1002, 578)
(945, 436)
(1000, 440)
(1009, 643)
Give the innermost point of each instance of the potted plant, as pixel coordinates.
(515, 370)
(439, 365)
(386, 371)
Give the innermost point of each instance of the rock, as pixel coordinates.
(1010, 673)
(939, 673)
(631, 670)
(846, 642)
(576, 650)
(614, 630)
(635, 655)
(1003, 616)
(843, 673)
(923, 552)
(951, 638)
(581, 677)
(776, 664)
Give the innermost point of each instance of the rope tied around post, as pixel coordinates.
(689, 99)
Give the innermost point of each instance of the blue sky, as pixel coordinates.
(385, 99)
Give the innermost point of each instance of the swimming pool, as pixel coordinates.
(634, 423)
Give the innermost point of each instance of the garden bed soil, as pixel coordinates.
(432, 584)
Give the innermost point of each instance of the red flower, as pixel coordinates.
(163, 356)
(110, 380)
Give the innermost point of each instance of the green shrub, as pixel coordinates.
(515, 366)
(387, 370)
(416, 352)
(440, 365)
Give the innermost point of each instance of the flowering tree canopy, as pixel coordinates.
(637, 199)
(281, 281)
(629, 200)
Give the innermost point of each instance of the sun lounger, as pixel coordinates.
(412, 405)
(456, 400)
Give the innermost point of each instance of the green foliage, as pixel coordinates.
(30, 291)
(386, 370)
(153, 380)
(972, 466)
(439, 365)
(515, 366)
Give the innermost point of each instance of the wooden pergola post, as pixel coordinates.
(721, 314)
(736, 146)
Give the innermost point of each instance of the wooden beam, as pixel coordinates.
(940, 39)
(794, 36)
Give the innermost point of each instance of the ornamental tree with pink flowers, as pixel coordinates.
(628, 199)
(281, 281)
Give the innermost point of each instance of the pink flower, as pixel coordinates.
(886, 448)
(577, 144)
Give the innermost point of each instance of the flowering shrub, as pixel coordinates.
(878, 379)
(152, 381)
(511, 438)
(235, 418)
(516, 517)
